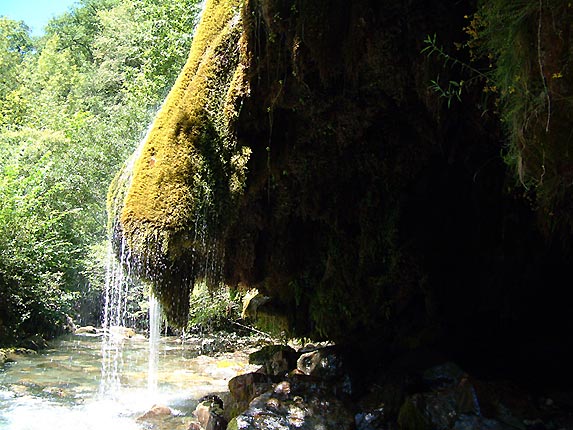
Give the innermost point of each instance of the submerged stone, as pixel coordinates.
(156, 412)
(88, 329)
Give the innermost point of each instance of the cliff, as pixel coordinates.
(304, 152)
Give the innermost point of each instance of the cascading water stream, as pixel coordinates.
(119, 284)
(154, 337)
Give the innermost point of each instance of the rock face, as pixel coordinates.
(303, 150)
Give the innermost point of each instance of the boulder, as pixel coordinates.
(370, 420)
(246, 387)
(322, 363)
(14, 354)
(453, 400)
(209, 413)
(326, 364)
(35, 343)
(251, 302)
(88, 329)
(298, 403)
(121, 332)
(277, 360)
(156, 411)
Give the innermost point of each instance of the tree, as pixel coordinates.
(73, 106)
(15, 45)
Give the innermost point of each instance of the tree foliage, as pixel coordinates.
(73, 105)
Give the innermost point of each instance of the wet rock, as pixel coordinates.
(68, 325)
(251, 302)
(276, 360)
(212, 344)
(246, 387)
(156, 412)
(3, 358)
(443, 375)
(209, 346)
(301, 404)
(326, 364)
(14, 354)
(89, 329)
(372, 420)
(55, 391)
(249, 385)
(441, 408)
(412, 417)
(473, 422)
(122, 332)
(322, 363)
(20, 389)
(454, 401)
(34, 343)
(209, 413)
(213, 400)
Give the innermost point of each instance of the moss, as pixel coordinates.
(531, 46)
(189, 160)
(266, 353)
(411, 418)
(311, 163)
(274, 321)
(233, 424)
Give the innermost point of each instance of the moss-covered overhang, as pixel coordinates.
(190, 159)
(370, 207)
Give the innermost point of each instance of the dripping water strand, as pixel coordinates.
(154, 338)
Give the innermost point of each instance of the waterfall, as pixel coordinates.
(120, 286)
(154, 336)
(118, 283)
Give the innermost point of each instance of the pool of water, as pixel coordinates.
(84, 383)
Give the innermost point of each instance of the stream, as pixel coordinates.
(82, 382)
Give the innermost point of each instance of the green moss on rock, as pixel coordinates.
(189, 160)
(411, 418)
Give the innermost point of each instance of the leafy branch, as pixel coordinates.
(454, 88)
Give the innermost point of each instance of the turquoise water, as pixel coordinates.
(80, 383)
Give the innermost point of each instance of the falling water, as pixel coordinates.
(119, 283)
(117, 286)
(154, 335)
